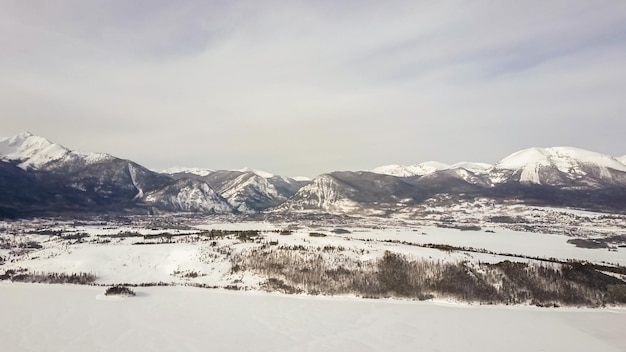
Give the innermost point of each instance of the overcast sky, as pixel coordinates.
(306, 87)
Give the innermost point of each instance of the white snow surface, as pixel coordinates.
(301, 178)
(80, 318)
(431, 167)
(122, 260)
(477, 168)
(502, 241)
(188, 170)
(622, 159)
(421, 169)
(33, 151)
(261, 173)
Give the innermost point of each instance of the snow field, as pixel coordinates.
(201, 260)
(73, 318)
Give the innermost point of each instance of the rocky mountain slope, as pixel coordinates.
(348, 191)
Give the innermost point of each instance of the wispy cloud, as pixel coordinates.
(307, 87)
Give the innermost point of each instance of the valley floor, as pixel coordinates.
(366, 257)
(79, 318)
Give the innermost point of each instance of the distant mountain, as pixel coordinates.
(430, 167)
(563, 167)
(187, 171)
(260, 173)
(38, 177)
(31, 152)
(475, 168)
(422, 169)
(63, 180)
(348, 191)
(555, 176)
(248, 191)
(451, 181)
(188, 195)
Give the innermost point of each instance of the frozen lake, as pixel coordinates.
(79, 318)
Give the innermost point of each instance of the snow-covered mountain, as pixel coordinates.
(188, 195)
(84, 178)
(348, 192)
(451, 181)
(249, 191)
(622, 159)
(38, 176)
(430, 167)
(37, 153)
(325, 192)
(246, 190)
(565, 167)
(64, 180)
(260, 173)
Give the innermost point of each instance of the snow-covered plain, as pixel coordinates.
(501, 241)
(79, 318)
(138, 259)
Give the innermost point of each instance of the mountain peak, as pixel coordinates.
(35, 152)
(560, 166)
(564, 158)
(260, 173)
(30, 150)
(21, 136)
(477, 168)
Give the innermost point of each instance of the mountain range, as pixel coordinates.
(38, 177)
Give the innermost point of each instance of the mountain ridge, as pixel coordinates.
(37, 175)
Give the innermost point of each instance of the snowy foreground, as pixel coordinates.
(79, 318)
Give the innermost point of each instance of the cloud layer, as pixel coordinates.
(308, 87)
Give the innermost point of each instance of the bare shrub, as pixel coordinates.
(119, 291)
(319, 271)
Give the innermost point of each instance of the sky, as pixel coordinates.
(307, 87)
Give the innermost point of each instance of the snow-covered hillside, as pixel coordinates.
(75, 319)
